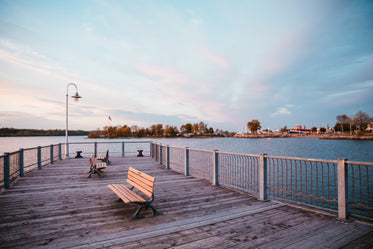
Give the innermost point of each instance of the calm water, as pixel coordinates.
(353, 150)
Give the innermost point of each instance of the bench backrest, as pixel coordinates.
(141, 181)
(92, 161)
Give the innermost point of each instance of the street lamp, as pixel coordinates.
(76, 97)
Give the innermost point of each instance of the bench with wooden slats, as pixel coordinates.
(105, 158)
(95, 168)
(142, 182)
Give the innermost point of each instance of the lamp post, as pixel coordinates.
(76, 97)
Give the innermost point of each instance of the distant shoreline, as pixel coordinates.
(320, 136)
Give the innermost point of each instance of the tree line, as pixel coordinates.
(13, 132)
(358, 122)
(157, 130)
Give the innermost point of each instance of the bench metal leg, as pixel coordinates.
(155, 212)
(137, 214)
(98, 173)
(145, 205)
(94, 172)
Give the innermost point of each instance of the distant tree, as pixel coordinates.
(187, 128)
(343, 123)
(124, 131)
(322, 130)
(159, 130)
(342, 119)
(95, 134)
(285, 129)
(111, 131)
(134, 129)
(361, 120)
(254, 126)
(141, 132)
(153, 130)
(195, 129)
(202, 127)
(170, 131)
(314, 129)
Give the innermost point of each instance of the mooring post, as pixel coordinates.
(21, 163)
(186, 161)
(342, 188)
(263, 191)
(215, 158)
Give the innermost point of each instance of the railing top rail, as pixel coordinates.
(208, 151)
(10, 153)
(359, 163)
(273, 157)
(302, 159)
(236, 154)
(109, 142)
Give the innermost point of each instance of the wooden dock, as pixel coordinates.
(58, 207)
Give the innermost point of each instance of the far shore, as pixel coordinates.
(320, 136)
(267, 136)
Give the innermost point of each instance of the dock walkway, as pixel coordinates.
(58, 207)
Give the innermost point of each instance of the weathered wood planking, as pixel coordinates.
(57, 207)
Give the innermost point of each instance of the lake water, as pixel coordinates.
(353, 150)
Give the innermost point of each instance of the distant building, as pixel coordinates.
(370, 127)
(298, 129)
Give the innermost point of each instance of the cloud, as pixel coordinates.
(283, 111)
(25, 57)
(215, 58)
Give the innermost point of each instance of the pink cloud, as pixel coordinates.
(215, 58)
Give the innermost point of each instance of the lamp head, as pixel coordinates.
(76, 97)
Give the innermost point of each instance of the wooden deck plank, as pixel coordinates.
(57, 207)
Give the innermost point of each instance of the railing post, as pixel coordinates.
(59, 151)
(167, 157)
(160, 154)
(156, 152)
(186, 161)
(21, 163)
(151, 149)
(122, 149)
(6, 171)
(51, 153)
(95, 152)
(263, 191)
(39, 157)
(342, 188)
(215, 158)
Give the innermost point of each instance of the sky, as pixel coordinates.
(225, 63)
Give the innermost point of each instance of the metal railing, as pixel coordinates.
(338, 186)
(23, 161)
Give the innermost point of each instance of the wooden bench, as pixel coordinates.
(104, 158)
(144, 183)
(95, 168)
